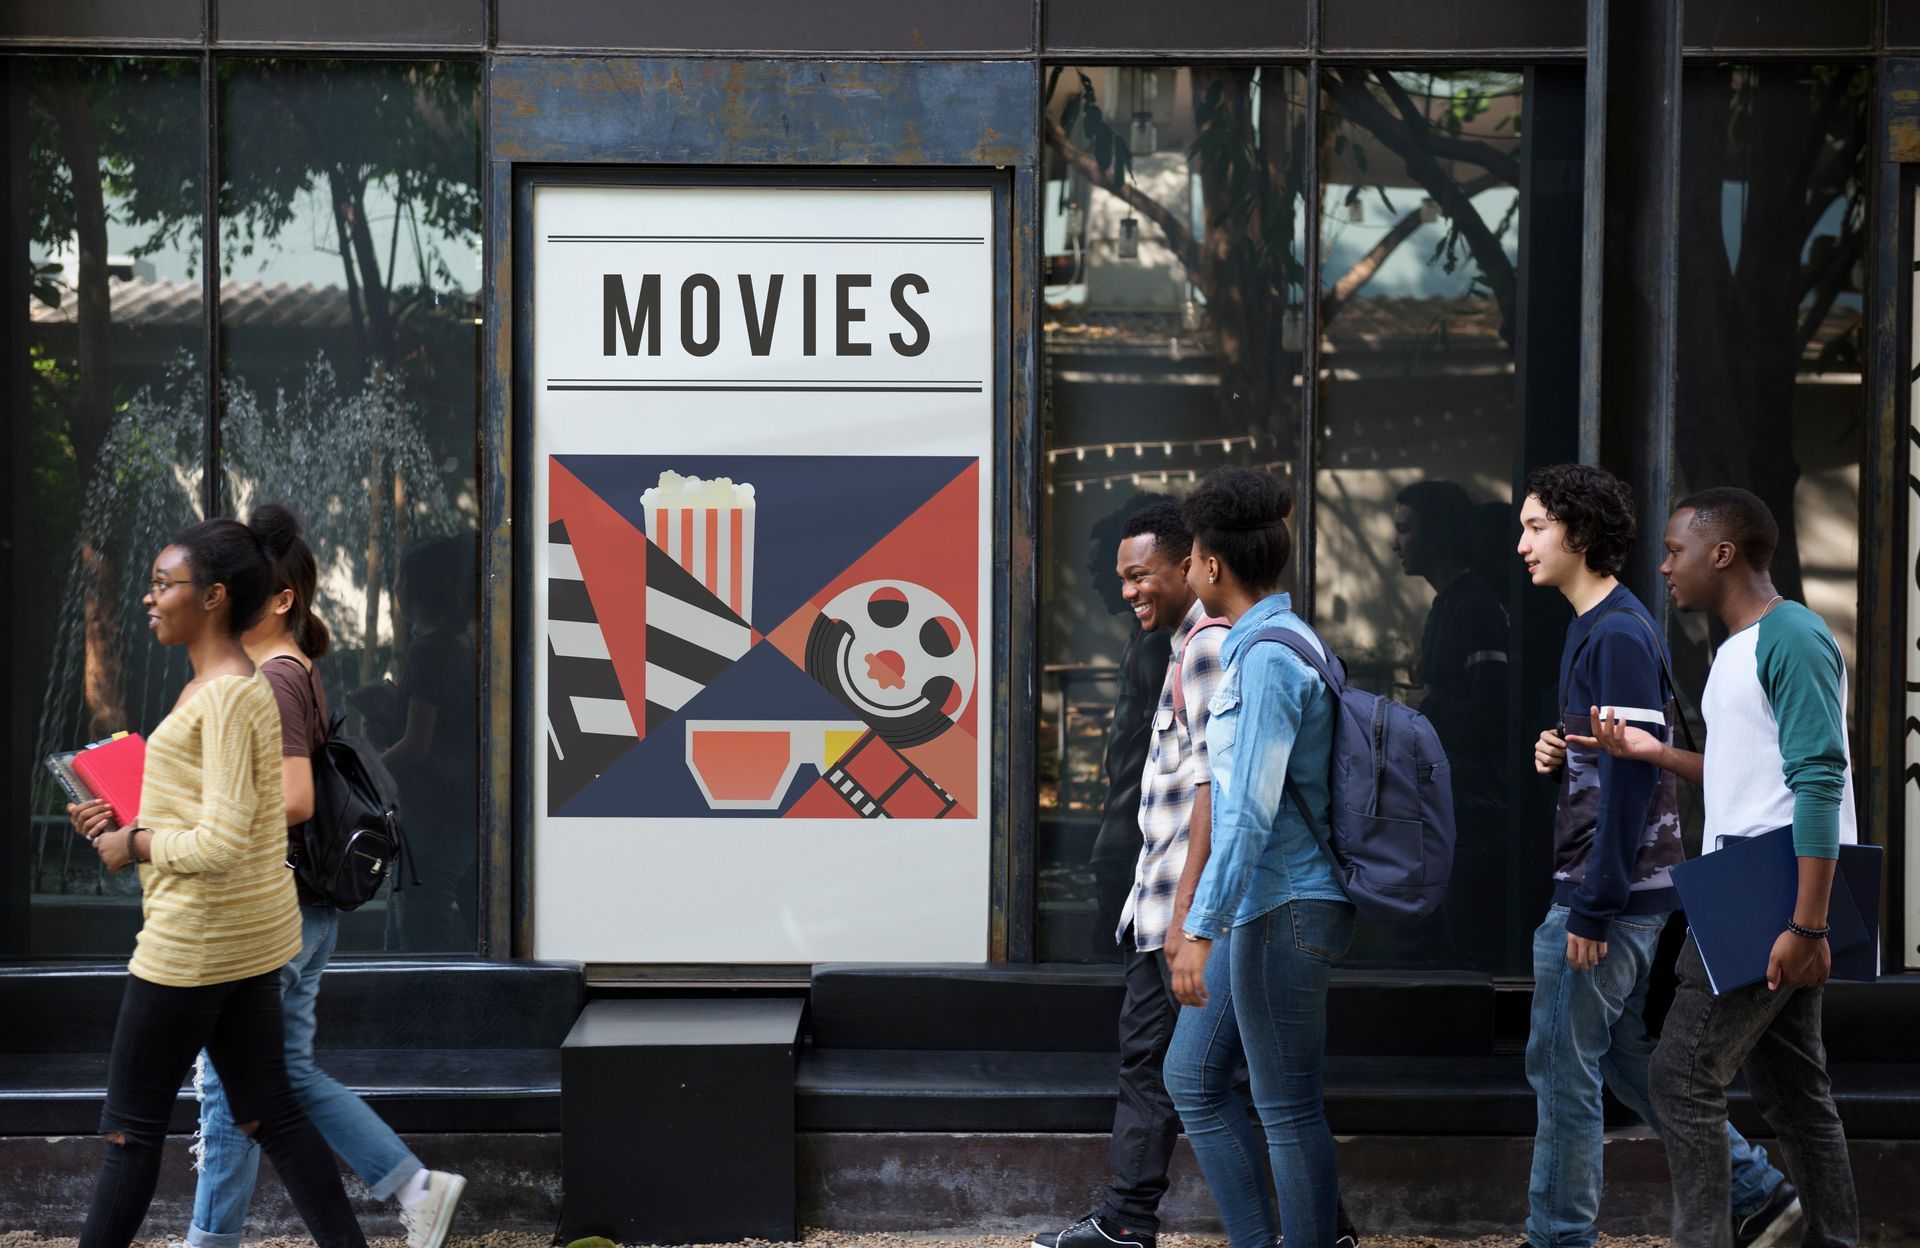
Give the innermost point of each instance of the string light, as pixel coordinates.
(1169, 476)
(1167, 448)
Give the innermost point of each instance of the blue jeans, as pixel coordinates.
(1267, 1002)
(230, 1161)
(1590, 1026)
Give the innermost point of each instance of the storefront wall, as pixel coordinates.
(1174, 254)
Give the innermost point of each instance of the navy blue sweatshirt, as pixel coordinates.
(1617, 825)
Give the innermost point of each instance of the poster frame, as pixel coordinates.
(1008, 837)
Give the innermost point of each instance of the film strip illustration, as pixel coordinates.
(873, 779)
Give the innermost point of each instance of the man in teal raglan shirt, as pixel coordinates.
(1776, 711)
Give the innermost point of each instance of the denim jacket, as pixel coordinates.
(1271, 718)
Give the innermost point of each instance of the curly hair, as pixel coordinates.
(1595, 506)
(1728, 513)
(1163, 521)
(1239, 516)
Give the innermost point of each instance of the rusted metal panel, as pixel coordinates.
(692, 111)
(1900, 106)
(503, 889)
(1016, 545)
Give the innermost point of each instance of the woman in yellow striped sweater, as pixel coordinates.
(217, 902)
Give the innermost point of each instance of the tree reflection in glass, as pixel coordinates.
(350, 242)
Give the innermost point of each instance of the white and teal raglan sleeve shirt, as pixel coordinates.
(1776, 707)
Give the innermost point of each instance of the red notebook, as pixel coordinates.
(113, 770)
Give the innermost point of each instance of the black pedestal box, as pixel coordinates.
(677, 1121)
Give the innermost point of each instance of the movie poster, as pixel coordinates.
(763, 423)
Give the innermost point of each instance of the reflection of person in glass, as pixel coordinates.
(1462, 678)
(434, 759)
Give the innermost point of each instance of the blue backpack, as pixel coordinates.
(1392, 837)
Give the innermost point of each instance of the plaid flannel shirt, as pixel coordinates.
(1176, 764)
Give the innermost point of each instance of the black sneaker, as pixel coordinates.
(1770, 1225)
(1094, 1231)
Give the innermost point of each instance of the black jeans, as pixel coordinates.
(1775, 1036)
(159, 1032)
(1145, 1123)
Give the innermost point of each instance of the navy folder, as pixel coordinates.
(1860, 868)
(1738, 900)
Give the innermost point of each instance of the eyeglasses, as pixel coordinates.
(160, 585)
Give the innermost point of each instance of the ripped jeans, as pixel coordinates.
(238, 1023)
(229, 1161)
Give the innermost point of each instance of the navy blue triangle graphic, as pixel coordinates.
(651, 780)
(815, 514)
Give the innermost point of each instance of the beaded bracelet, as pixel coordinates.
(1811, 933)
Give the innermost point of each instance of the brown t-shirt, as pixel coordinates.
(303, 718)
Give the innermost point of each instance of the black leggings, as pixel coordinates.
(159, 1032)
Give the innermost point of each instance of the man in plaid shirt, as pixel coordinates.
(1174, 813)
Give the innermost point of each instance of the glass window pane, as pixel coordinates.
(1774, 250)
(106, 454)
(349, 310)
(1173, 214)
(1420, 221)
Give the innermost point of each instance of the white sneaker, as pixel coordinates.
(427, 1222)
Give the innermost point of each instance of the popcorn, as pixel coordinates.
(707, 528)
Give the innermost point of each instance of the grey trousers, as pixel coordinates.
(1775, 1037)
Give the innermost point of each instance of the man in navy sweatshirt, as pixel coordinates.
(1616, 834)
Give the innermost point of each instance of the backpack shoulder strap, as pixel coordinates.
(318, 726)
(1295, 641)
(1179, 688)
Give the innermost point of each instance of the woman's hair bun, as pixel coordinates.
(278, 527)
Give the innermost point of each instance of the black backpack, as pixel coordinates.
(354, 841)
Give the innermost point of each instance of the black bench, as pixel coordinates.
(441, 1046)
(1031, 1049)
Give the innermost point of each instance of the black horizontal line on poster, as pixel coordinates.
(820, 389)
(745, 238)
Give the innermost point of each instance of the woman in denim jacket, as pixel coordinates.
(1269, 916)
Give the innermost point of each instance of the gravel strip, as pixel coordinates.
(848, 1239)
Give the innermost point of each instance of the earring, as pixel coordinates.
(1212, 579)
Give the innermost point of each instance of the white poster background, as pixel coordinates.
(748, 889)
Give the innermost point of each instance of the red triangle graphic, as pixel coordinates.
(613, 561)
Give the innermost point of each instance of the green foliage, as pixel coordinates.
(334, 128)
(145, 117)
